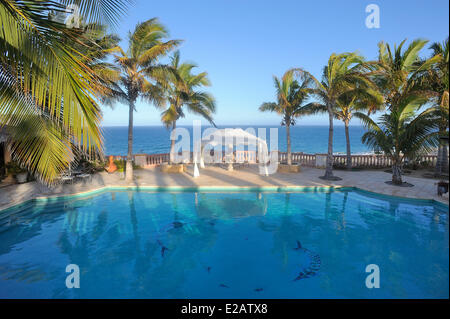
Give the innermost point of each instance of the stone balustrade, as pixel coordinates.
(310, 160)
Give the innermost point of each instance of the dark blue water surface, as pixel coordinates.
(307, 139)
(146, 244)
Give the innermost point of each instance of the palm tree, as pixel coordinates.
(97, 45)
(367, 99)
(292, 91)
(402, 133)
(48, 91)
(183, 91)
(399, 76)
(344, 75)
(139, 68)
(439, 80)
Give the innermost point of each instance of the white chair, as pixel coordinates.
(66, 177)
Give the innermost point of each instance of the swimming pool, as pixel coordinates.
(310, 243)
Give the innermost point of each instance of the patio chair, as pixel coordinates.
(84, 177)
(83, 174)
(67, 177)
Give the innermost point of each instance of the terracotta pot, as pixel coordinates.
(111, 168)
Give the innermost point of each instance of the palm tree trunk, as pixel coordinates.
(129, 165)
(288, 136)
(329, 164)
(396, 172)
(438, 167)
(172, 145)
(441, 161)
(347, 140)
(444, 159)
(133, 219)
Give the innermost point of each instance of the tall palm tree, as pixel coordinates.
(402, 133)
(367, 99)
(139, 69)
(48, 91)
(345, 74)
(292, 91)
(184, 91)
(439, 77)
(399, 76)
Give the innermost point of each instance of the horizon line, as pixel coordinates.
(231, 125)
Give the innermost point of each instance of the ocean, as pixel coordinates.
(307, 139)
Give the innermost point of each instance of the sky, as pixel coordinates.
(243, 43)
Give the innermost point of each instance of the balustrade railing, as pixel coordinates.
(358, 161)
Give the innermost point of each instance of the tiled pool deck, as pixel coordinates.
(371, 180)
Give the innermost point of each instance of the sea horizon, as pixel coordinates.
(235, 125)
(312, 139)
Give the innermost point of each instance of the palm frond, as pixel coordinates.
(269, 107)
(179, 86)
(103, 12)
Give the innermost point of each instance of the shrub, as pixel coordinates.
(14, 168)
(121, 164)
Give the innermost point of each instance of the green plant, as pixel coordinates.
(183, 89)
(14, 168)
(48, 87)
(344, 75)
(436, 80)
(121, 165)
(292, 92)
(139, 69)
(402, 132)
(91, 166)
(362, 98)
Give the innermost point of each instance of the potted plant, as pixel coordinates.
(17, 172)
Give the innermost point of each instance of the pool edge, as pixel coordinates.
(53, 198)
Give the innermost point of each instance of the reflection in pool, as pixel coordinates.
(139, 244)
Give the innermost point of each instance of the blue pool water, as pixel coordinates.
(148, 244)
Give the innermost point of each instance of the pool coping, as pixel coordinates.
(323, 189)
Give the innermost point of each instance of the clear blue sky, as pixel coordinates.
(243, 43)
